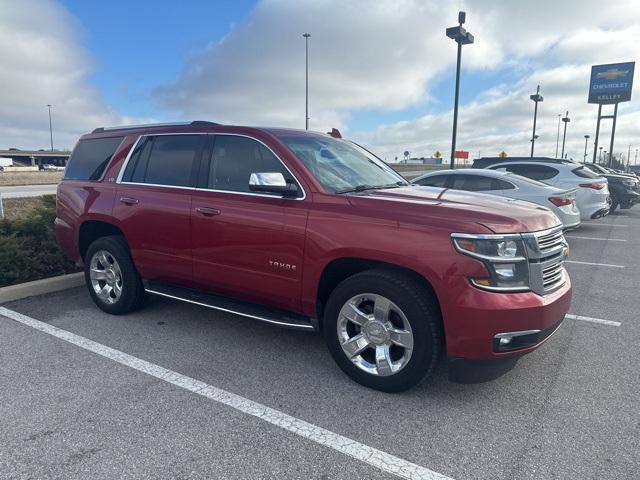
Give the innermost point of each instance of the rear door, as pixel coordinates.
(246, 245)
(153, 203)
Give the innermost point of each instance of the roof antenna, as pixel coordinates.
(335, 133)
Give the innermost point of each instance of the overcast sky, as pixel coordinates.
(380, 71)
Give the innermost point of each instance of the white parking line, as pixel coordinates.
(372, 456)
(590, 224)
(595, 264)
(594, 238)
(593, 320)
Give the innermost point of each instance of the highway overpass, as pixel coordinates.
(36, 157)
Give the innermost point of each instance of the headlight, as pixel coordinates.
(503, 255)
(629, 183)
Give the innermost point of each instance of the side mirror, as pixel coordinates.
(272, 182)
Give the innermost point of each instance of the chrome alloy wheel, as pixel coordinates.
(106, 277)
(375, 334)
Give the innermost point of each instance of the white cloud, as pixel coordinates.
(387, 55)
(42, 64)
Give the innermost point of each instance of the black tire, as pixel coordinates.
(613, 206)
(133, 294)
(419, 308)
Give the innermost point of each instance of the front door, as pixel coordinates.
(246, 245)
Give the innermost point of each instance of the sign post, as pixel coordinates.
(610, 84)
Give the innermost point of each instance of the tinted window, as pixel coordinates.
(536, 172)
(90, 158)
(502, 185)
(433, 181)
(166, 159)
(585, 173)
(235, 158)
(472, 183)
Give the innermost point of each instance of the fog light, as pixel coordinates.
(505, 270)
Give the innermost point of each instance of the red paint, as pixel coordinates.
(242, 244)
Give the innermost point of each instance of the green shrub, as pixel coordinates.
(28, 248)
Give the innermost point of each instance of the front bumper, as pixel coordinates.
(475, 317)
(630, 198)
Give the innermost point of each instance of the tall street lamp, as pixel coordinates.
(566, 120)
(586, 139)
(50, 127)
(536, 98)
(306, 81)
(461, 37)
(558, 135)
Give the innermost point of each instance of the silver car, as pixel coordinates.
(560, 201)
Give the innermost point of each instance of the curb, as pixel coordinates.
(40, 287)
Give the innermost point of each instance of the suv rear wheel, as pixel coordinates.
(111, 277)
(383, 330)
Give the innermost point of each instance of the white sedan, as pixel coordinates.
(560, 201)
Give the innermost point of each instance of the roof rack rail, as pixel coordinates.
(195, 123)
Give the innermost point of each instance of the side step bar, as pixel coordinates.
(230, 305)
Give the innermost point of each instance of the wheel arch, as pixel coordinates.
(91, 230)
(342, 268)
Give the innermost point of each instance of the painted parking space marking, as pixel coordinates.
(595, 238)
(611, 323)
(372, 456)
(594, 264)
(605, 225)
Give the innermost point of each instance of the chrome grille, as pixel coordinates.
(546, 253)
(550, 242)
(553, 275)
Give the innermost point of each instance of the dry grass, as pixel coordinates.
(15, 208)
(29, 178)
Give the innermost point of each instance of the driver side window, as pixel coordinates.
(235, 158)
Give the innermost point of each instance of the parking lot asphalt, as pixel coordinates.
(567, 411)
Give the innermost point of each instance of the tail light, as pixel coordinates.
(560, 201)
(595, 186)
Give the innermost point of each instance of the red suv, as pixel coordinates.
(310, 231)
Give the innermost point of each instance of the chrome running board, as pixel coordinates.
(255, 311)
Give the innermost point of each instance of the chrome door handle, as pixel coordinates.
(209, 212)
(129, 200)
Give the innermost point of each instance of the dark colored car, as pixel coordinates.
(624, 188)
(313, 232)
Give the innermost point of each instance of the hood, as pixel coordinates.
(458, 208)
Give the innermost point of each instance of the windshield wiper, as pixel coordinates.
(362, 188)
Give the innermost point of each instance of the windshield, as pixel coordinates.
(341, 166)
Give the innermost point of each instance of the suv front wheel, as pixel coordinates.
(111, 277)
(383, 329)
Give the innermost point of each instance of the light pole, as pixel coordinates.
(536, 98)
(50, 127)
(586, 139)
(558, 135)
(461, 37)
(566, 120)
(306, 81)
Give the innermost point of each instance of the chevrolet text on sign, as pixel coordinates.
(611, 83)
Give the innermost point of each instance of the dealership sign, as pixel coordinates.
(611, 83)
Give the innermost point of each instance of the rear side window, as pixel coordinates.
(235, 158)
(536, 172)
(165, 160)
(91, 157)
(433, 181)
(585, 173)
(473, 183)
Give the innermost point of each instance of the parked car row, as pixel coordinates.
(310, 231)
(574, 192)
